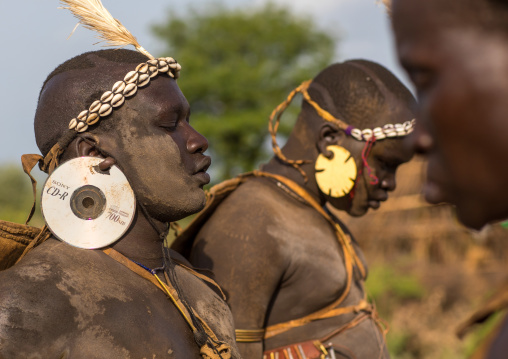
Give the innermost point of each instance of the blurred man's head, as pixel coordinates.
(456, 54)
(149, 135)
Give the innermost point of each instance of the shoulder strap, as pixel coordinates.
(218, 193)
(350, 258)
(214, 350)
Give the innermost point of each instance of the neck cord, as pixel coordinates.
(201, 337)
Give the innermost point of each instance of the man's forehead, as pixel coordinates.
(394, 150)
(163, 95)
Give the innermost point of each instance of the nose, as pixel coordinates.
(196, 142)
(388, 183)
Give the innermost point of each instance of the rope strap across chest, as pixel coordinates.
(351, 259)
(206, 352)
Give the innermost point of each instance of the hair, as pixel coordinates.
(355, 90)
(82, 80)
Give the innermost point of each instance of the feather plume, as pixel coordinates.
(94, 16)
(388, 5)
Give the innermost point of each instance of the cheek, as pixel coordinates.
(151, 163)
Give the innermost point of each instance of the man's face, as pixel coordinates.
(159, 151)
(461, 77)
(384, 159)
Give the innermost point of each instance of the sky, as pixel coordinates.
(34, 41)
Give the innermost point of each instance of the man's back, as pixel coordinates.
(60, 302)
(280, 260)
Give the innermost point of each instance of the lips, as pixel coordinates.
(201, 168)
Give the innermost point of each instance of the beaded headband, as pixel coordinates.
(94, 16)
(123, 89)
(367, 135)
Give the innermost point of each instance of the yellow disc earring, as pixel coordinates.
(336, 176)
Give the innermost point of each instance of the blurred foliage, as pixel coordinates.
(384, 282)
(16, 196)
(237, 66)
(475, 339)
(390, 289)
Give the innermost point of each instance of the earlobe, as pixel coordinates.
(86, 145)
(329, 135)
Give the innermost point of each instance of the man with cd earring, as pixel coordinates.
(131, 299)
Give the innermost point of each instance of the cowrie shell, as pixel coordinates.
(143, 80)
(367, 134)
(163, 66)
(379, 134)
(153, 71)
(130, 90)
(142, 68)
(82, 115)
(357, 133)
(92, 119)
(389, 130)
(95, 106)
(107, 96)
(81, 127)
(105, 109)
(153, 62)
(400, 129)
(118, 87)
(73, 123)
(117, 100)
(170, 60)
(131, 77)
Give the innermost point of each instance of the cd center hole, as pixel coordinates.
(88, 202)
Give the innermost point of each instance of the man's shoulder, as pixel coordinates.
(41, 264)
(259, 199)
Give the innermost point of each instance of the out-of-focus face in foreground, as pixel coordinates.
(460, 72)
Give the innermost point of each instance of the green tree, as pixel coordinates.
(237, 66)
(16, 196)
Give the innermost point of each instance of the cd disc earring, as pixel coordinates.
(86, 207)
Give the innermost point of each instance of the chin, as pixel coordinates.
(473, 219)
(175, 210)
(357, 212)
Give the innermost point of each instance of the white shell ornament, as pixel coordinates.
(131, 77)
(143, 80)
(130, 90)
(118, 87)
(117, 100)
(95, 106)
(123, 89)
(92, 118)
(73, 124)
(105, 109)
(107, 96)
(81, 127)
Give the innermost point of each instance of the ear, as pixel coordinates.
(86, 145)
(329, 135)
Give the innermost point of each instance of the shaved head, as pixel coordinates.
(73, 86)
(355, 91)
